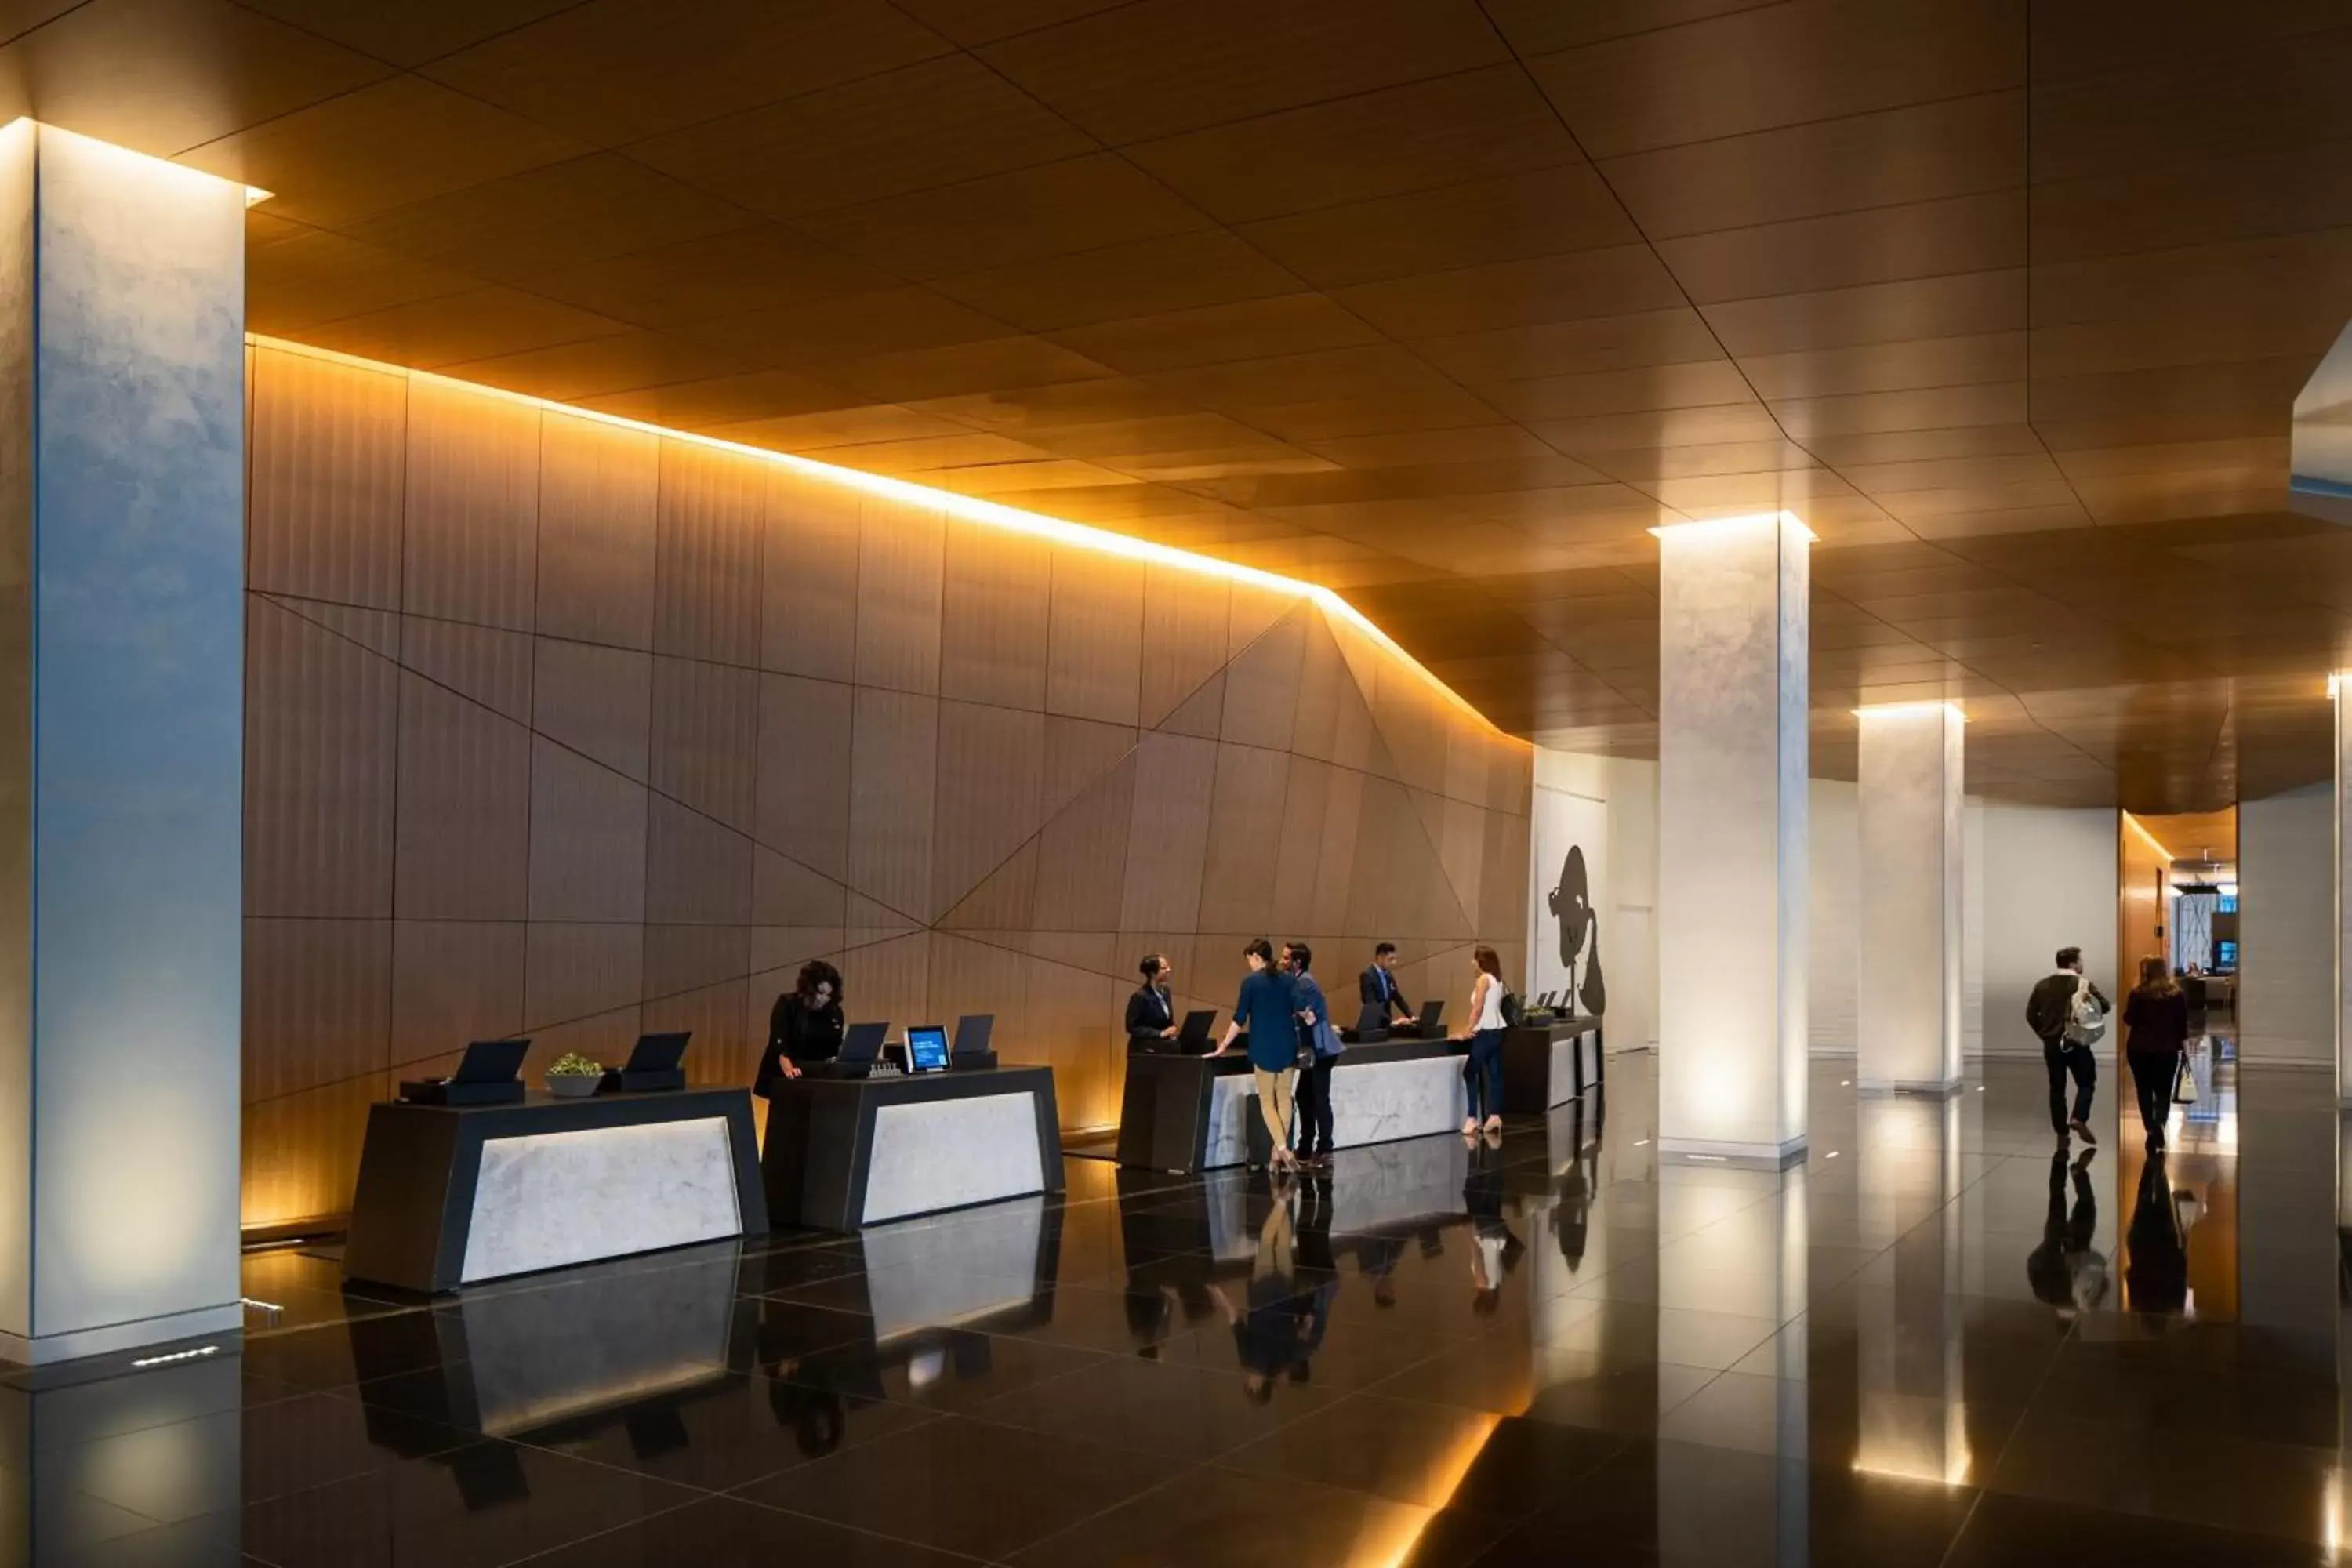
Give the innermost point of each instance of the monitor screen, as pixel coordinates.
(2225, 955)
(926, 1049)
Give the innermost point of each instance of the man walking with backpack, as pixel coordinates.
(2069, 1015)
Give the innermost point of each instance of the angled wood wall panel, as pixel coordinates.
(660, 723)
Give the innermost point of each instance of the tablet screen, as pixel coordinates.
(926, 1049)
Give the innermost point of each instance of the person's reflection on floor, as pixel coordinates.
(1378, 1258)
(2155, 1276)
(2063, 1271)
(1495, 1251)
(1279, 1328)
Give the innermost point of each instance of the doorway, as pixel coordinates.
(2177, 880)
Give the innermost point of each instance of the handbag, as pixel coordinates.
(2184, 1084)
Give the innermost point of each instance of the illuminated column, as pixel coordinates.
(122, 694)
(2342, 855)
(1911, 1419)
(1732, 693)
(1908, 1004)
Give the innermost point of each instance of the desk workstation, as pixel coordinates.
(494, 1181)
(875, 1135)
(1549, 1062)
(1184, 1110)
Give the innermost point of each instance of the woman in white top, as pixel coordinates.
(1484, 1071)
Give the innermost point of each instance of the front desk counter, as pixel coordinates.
(452, 1195)
(1550, 1064)
(846, 1152)
(1183, 1114)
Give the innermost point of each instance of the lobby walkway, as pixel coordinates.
(1933, 1343)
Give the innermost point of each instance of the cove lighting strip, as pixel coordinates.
(1704, 525)
(1909, 710)
(2148, 838)
(1057, 531)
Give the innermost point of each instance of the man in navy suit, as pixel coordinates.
(1376, 988)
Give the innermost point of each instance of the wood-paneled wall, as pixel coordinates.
(564, 729)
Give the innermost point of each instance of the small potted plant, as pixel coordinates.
(574, 1077)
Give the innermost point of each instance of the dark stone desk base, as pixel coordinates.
(817, 1167)
(1169, 1107)
(1528, 1082)
(412, 1216)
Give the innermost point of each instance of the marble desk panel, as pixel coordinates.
(1372, 1102)
(544, 1200)
(947, 1153)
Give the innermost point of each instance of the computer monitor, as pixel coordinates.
(972, 1032)
(658, 1053)
(926, 1049)
(1193, 1037)
(863, 1043)
(1430, 1016)
(491, 1062)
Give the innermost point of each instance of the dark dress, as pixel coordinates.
(797, 1030)
(1268, 1010)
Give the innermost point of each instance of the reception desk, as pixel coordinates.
(449, 1196)
(1550, 1064)
(844, 1154)
(1184, 1114)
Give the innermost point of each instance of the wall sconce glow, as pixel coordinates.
(1058, 531)
(254, 195)
(1701, 526)
(1909, 710)
(199, 1353)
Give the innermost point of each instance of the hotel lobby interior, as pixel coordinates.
(666, 658)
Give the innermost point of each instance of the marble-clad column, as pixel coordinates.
(1908, 988)
(2340, 854)
(1732, 714)
(121, 746)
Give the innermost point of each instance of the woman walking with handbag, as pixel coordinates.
(2157, 1014)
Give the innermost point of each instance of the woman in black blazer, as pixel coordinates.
(804, 1025)
(1150, 1016)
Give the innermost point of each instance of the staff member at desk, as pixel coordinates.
(804, 1027)
(1376, 988)
(1150, 1015)
(1269, 1010)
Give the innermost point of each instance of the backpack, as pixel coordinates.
(2085, 1019)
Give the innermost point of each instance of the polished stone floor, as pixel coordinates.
(1935, 1341)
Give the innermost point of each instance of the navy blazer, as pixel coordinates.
(1370, 993)
(1149, 1011)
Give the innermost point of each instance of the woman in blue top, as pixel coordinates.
(1269, 1010)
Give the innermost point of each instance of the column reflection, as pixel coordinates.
(1911, 1406)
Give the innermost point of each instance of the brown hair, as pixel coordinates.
(1488, 961)
(2155, 979)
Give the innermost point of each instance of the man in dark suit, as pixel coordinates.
(1376, 988)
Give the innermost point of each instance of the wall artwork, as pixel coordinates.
(1568, 838)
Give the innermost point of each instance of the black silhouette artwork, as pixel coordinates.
(1579, 935)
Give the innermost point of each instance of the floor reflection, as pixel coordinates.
(1936, 1340)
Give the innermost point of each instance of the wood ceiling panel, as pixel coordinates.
(514, 230)
(1896, 157)
(1962, 234)
(1135, 73)
(1513, 217)
(620, 71)
(1077, 204)
(1423, 136)
(1207, 268)
(163, 76)
(1249, 329)
(1341, 298)
(1782, 65)
(1609, 282)
(1561, 348)
(325, 165)
(741, 272)
(929, 124)
(1964, 304)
